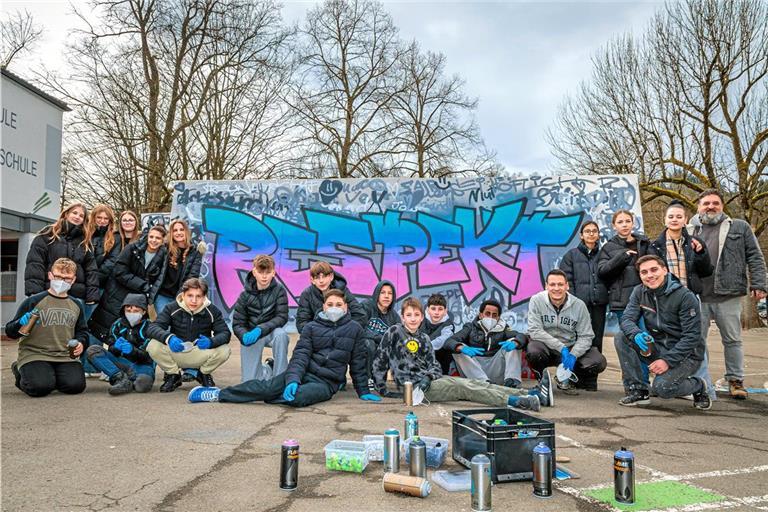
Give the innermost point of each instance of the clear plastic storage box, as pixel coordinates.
(375, 444)
(437, 450)
(349, 456)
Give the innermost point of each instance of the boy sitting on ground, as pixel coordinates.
(407, 351)
(126, 362)
(318, 368)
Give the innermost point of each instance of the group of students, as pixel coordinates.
(664, 293)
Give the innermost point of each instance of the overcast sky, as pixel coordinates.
(519, 58)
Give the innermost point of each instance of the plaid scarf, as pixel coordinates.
(676, 260)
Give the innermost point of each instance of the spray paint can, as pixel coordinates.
(24, 330)
(480, 490)
(542, 471)
(391, 451)
(417, 453)
(408, 394)
(71, 346)
(411, 426)
(411, 485)
(289, 465)
(624, 476)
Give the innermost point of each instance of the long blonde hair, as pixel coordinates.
(54, 230)
(136, 230)
(173, 249)
(109, 237)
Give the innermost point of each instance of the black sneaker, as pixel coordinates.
(636, 397)
(16, 373)
(120, 384)
(567, 387)
(171, 381)
(512, 383)
(190, 375)
(270, 362)
(371, 387)
(545, 390)
(701, 399)
(205, 380)
(527, 403)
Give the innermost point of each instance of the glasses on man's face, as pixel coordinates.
(69, 279)
(590, 231)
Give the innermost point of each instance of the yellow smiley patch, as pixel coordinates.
(412, 345)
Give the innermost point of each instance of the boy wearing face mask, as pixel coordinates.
(328, 346)
(126, 362)
(45, 362)
(488, 349)
(407, 351)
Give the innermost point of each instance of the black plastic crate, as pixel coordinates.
(510, 447)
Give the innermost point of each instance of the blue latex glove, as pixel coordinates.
(508, 345)
(289, 393)
(369, 397)
(203, 342)
(252, 336)
(175, 344)
(569, 360)
(472, 351)
(123, 345)
(24, 320)
(642, 339)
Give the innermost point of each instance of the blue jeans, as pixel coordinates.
(161, 301)
(142, 375)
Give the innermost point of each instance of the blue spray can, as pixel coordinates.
(411, 425)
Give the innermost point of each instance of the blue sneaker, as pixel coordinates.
(203, 394)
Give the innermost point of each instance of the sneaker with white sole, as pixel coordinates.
(525, 402)
(701, 399)
(545, 391)
(636, 397)
(203, 394)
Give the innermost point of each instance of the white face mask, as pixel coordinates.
(134, 318)
(418, 395)
(58, 286)
(563, 375)
(488, 323)
(334, 314)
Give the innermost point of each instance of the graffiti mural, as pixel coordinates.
(468, 238)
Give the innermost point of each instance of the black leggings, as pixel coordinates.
(40, 378)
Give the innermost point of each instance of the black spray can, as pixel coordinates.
(542, 471)
(624, 476)
(289, 465)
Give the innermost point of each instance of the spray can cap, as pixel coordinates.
(72, 343)
(392, 432)
(480, 458)
(290, 442)
(542, 448)
(624, 453)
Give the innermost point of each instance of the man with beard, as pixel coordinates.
(733, 250)
(488, 349)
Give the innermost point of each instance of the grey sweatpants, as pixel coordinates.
(502, 365)
(251, 366)
(452, 389)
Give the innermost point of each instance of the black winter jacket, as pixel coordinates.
(672, 315)
(617, 269)
(697, 264)
(311, 303)
(473, 334)
(136, 335)
(178, 320)
(128, 276)
(378, 323)
(266, 309)
(325, 349)
(45, 250)
(190, 268)
(580, 265)
(105, 261)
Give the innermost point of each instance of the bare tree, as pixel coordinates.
(20, 33)
(145, 81)
(433, 116)
(685, 107)
(344, 85)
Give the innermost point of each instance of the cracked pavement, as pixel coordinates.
(159, 453)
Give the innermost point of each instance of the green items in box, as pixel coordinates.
(351, 456)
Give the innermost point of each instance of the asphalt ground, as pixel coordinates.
(157, 452)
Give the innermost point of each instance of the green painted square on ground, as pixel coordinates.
(658, 495)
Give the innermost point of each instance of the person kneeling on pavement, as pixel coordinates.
(407, 351)
(560, 331)
(191, 333)
(328, 345)
(662, 327)
(125, 361)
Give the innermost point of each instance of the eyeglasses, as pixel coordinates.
(590, 231)
(69, 278)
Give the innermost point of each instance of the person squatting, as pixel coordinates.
(107, 299)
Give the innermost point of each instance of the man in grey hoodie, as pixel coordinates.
(560, 331)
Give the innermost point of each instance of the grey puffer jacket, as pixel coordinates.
(739, 252)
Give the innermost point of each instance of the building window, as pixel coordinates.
(9, 264)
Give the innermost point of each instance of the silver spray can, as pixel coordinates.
(417, 453)
(624, 476)
(480, 469)
(391, 451)
(542, 471)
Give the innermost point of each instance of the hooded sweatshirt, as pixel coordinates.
(570, 327)
(136, 335)
(408, 355)
(379, 322)
(440, 331)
